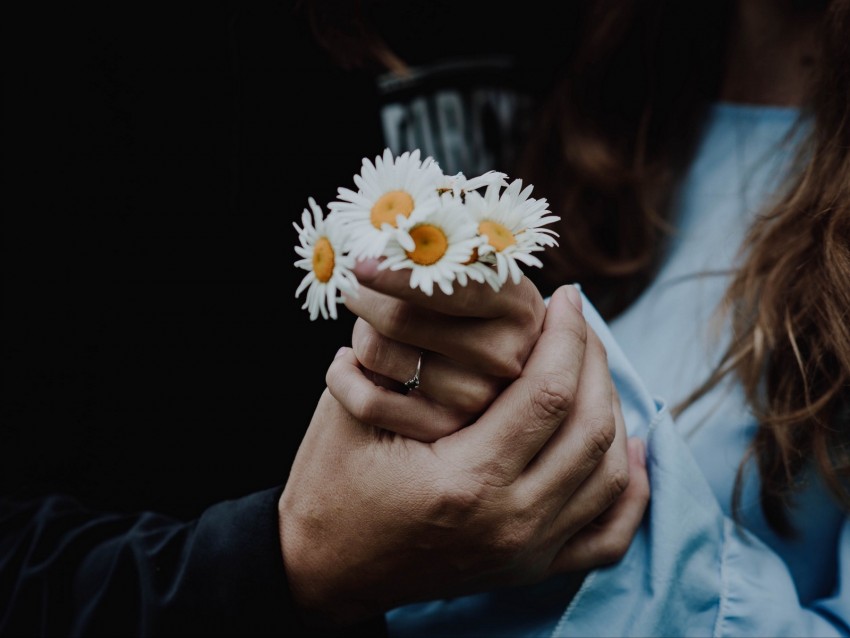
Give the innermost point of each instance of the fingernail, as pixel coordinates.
(366, 269)
(574, 296)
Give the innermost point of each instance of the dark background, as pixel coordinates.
(154, 354)
(155, 157)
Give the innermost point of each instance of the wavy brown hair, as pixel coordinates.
(790, 302)
(608, 149)
(612, 171)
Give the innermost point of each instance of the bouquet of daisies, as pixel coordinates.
(446, 229)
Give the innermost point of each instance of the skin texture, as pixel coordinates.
(542, 481)
(503, 466)
(475, 342)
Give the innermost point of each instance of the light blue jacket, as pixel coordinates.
(690, 571)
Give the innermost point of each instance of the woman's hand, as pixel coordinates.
(471, 343)
(371, 519)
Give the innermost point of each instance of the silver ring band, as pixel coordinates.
(413, 382)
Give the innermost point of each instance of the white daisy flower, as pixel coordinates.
(444, 245)
(511, 224)
(391, 193)
(328, 266)
(458, 184)
(479, 271)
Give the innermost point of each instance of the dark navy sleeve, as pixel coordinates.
(65, 570)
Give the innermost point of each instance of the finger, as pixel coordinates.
(519, 422)
(498, 345)
(581, 447)
(603, 487)
(607, 539)
(411, 415)
(380, 354)
(443, 380)
(478, 299)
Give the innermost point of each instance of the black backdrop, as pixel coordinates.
(155, 157)
(154, 354)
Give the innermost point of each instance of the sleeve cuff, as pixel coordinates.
(236, 561)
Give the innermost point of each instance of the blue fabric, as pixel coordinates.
(690, 570)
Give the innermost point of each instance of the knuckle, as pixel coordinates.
(501, 355)
(368, 345)
(397, 319)
(460, 499)
(471, 491)
(363, 408)
(333, 373)
(477, 395)
(551, 397)
(617, 481)
(367, 407)
(532, 304)
(599, 433)
(508, 366)
(524, 320)
(457, 502)
(509, 542)
(517, 537)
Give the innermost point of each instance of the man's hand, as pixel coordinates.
(371, 519)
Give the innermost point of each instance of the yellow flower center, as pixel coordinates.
(498, 236)
(323, 260)
(389, 206)
(431, 245)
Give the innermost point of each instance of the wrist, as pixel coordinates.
(321, 585)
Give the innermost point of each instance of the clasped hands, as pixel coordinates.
(509, 463)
